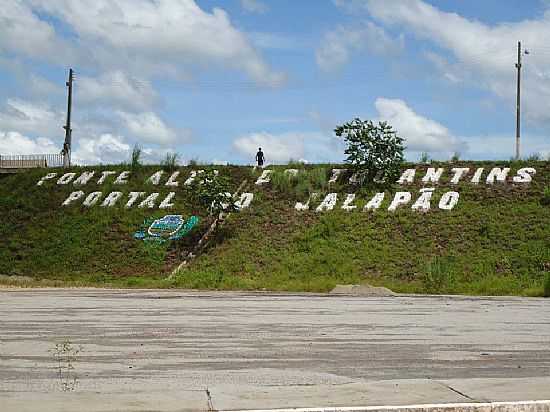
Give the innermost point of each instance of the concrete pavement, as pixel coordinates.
(179, 350)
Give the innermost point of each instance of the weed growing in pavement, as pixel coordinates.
(65, 355)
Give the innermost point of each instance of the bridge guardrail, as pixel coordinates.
(30, 161)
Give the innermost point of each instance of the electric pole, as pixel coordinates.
(68, 131)
(518, 103)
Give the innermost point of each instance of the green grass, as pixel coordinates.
(300, 185)
(495, 242)
(547, 286)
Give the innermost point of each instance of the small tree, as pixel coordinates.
(374, 151)
(212, 192)
(135, 161)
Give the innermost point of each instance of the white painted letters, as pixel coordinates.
(400, 199)
(72, 197)
(524, 175)
(449, 200)
(111, 199)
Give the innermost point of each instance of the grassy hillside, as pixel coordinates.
(495, 241)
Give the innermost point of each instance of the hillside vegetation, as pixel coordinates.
(495, 241)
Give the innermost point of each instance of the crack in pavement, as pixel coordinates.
(457, 391)
(209, 400)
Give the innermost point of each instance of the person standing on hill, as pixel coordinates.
(260, 157)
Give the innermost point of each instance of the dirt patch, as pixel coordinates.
(361, 290)
(16, 279)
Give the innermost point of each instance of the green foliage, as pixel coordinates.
(374, 151)
(424, 158)
(284, 182)
(546, 196)
(302, 184)
(439, 275)
(455, 157)
(170, 162)
(547, 286)
(212, 192)
(498, 236)
(135, 161)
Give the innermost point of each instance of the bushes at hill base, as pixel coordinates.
(547, 286)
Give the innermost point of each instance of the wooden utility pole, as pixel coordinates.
(68, 131)
(518, 103)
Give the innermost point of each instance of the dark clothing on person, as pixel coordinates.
(260, 158)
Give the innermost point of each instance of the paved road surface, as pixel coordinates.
(160, 350)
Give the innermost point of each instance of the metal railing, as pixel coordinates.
(30, 161)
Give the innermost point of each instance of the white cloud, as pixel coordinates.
(502, 147)
(107, 149)
(15, 143)
(41, 86)
(420, 133)
(486, 53)
(280, 148)
(155, 38)
(277, 41)
(450, 72)
(254, 6)
(110, 149)
(117, 89)
(277, 148)
(340, 44)
(29, 117)
(148, 127)
(24, 33)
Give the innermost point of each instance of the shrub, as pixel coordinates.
(372, 150)
(170, 162)
(439, 276)
(135, 161)
(302, 184)
(284, 182)
(318, 178)
(547, 286)
(212, 192)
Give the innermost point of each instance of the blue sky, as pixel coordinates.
(212, 80)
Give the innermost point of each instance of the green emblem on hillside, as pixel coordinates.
(170, 227)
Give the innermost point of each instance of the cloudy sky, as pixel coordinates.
(215, 79)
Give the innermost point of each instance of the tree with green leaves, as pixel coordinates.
(375, 151)
(212, 192)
